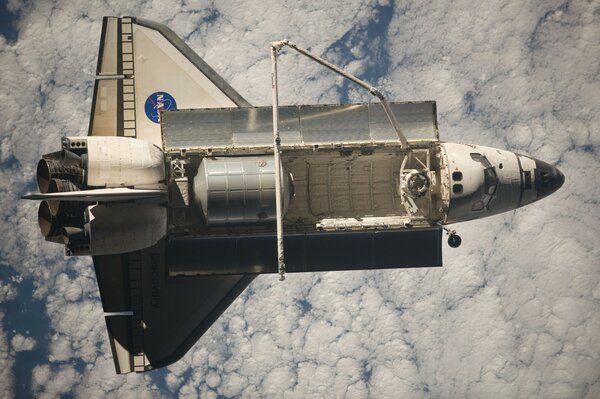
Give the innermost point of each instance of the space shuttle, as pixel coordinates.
(181, 196)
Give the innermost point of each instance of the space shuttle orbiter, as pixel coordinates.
(175, 191)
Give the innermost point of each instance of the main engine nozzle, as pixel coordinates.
(53, 216)
(61, 165)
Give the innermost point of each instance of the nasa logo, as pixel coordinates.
(158, 102)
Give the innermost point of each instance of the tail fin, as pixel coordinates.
(143, 69)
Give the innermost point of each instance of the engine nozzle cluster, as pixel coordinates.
(60, 172)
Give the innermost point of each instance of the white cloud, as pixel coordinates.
(8, 292)
(514, 312)
(51, 383)
(6, 365)
(100, 380)
(20, 343)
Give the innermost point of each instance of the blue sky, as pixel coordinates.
(514, 311)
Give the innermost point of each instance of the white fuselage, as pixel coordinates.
(357, 187)
(486, 181)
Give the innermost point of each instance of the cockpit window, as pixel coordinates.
(490, 182)
(475, 156)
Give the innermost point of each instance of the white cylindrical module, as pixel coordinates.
(240, 190)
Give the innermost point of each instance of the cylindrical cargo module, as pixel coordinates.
(240, 190)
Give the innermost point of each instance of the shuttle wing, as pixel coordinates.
(143, 69)
(153, 319)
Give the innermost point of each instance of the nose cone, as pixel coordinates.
(548, 179)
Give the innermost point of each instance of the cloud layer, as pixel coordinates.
(515, 310)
